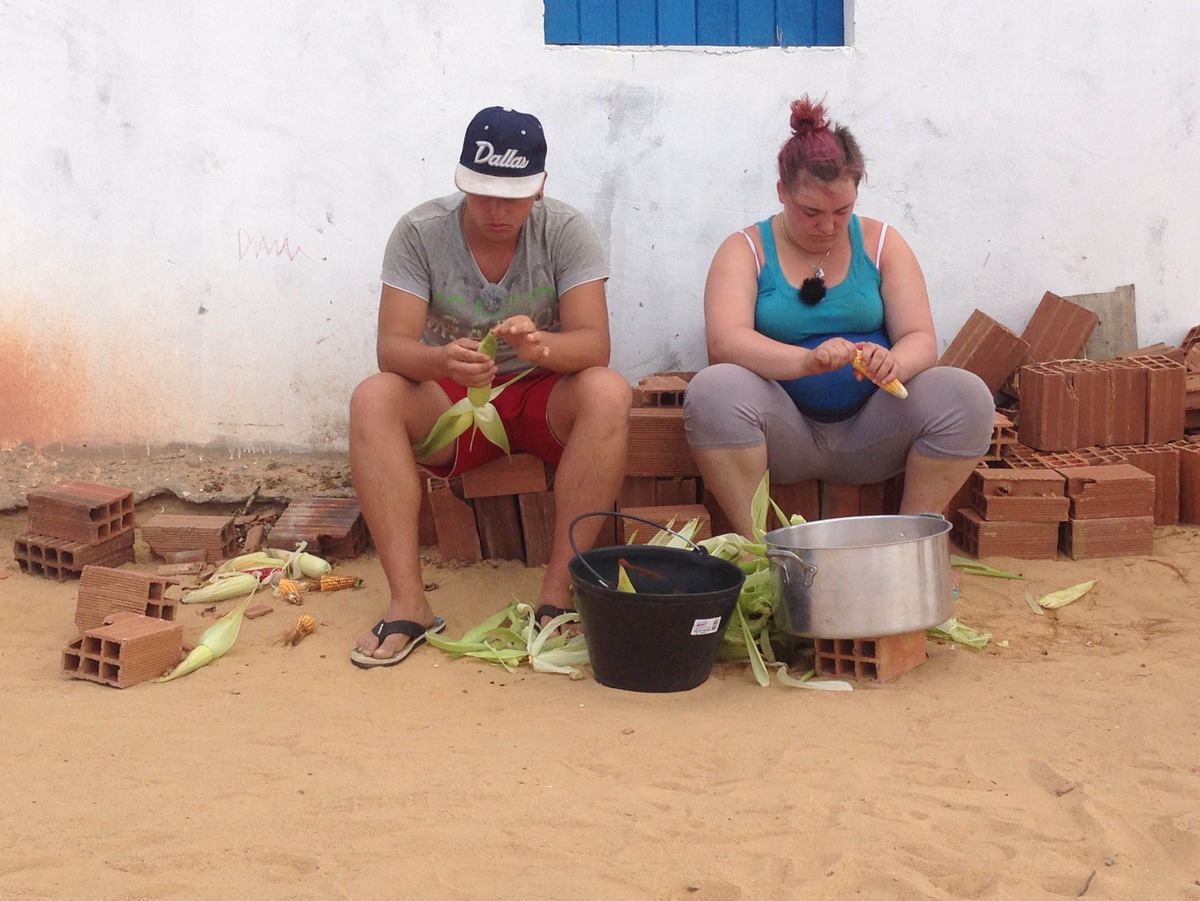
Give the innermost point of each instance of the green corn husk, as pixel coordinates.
(975, 568)
(510, 638)
(1061, 598)
(624, 583)
(216, 640)
(223, 586)
(473, 411)
(953, 630)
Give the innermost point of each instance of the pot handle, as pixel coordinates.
(810, 569)
(571, 537)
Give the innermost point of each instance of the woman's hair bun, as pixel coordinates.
(808, 116)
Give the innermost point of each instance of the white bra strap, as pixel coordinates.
(879, 249)
(753, 250)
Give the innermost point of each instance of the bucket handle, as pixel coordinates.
(603, 584)
(810, 569)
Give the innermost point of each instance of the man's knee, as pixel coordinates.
(605, 391)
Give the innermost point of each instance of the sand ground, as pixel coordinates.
(1064, 764)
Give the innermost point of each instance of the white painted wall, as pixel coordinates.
(196, 195)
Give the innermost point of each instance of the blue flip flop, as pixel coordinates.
(384, 628)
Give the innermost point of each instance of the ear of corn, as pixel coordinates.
(305, 625)
(337, 583)
(243, 562)
(216, 640)
(1056, 599)
(473, 411)
(223, 587)
(893, 387)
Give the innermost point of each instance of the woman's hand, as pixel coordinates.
(519, 333)
(466, 365)
(830, 355)
(880, 363)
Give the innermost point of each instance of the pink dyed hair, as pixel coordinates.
(817, 149)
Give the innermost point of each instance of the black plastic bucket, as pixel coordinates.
(665, 635)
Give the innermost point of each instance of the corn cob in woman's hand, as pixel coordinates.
(894, 387)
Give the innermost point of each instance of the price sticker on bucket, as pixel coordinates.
(706, 626)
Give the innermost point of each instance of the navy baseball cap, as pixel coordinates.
(503, 155)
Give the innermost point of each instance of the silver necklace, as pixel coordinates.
(818, 270)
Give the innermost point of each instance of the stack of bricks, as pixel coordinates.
(1013, 513)
(191, 537)
(74, 524)
(502, 510)
(127, 625)
(1112, 512)
(1134, 409)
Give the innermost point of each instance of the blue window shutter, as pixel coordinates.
(756, 23)
(716, 22)
(637, 23)
(830, 24)
(562, 22)
(598, 21)
(686, 23)
(677, 22)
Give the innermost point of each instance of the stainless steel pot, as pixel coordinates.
(862, 576)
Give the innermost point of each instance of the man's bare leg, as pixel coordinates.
(589, 411)
(387, 413)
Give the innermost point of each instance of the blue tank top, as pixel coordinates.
(851, 309)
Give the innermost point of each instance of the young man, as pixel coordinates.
(498, 257)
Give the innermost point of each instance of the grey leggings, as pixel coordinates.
(948, 414)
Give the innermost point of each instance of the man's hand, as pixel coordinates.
(519, 333)
(466, 365)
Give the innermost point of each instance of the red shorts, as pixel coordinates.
(522, 408)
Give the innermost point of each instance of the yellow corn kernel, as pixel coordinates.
(336, 583)
(894, 387)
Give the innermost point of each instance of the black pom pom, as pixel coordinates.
(812, 291)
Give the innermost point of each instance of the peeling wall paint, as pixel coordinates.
(197, 198)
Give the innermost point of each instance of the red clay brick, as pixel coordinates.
(457, 533)
(331, 527)
(518, 474)
(988, 349)
(1020, 495)
(1085, 539)
(1106, 492)
(1058, 329)
(660, 391)
(104, 591)
(879, 659)
(537, 526)
(60, 559)
(1189, 482)
(80, 511)
(1127, 387)
(799, 497)
(1049, 417)
(126, 650)
(1162, 462)
(499, 525)
(676, 490)
(1023, 540)
(839, 500)
(657, 443)
(1165, 391)
(170, 533)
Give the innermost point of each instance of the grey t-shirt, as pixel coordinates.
(427, 255)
